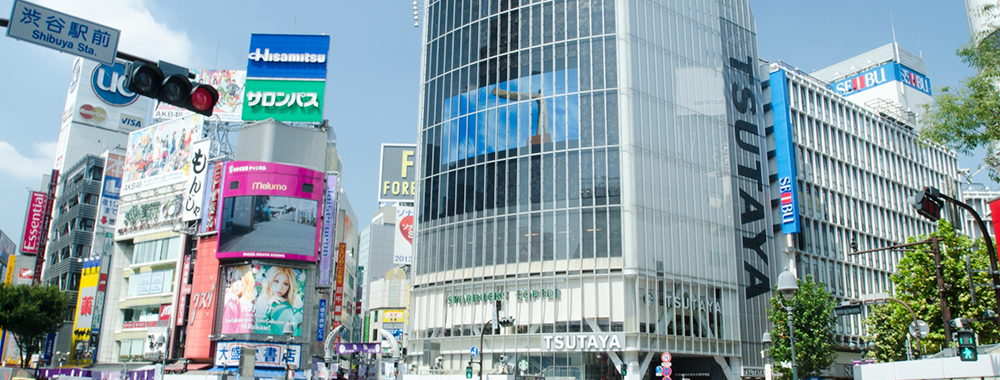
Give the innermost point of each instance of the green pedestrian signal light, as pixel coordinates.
(967, 350)
(624, 369)
(468, 372)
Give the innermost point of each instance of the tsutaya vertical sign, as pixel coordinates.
(747, 149)
(329, 231)
(784, 148)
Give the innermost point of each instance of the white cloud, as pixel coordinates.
(141, 34)
(22, 167)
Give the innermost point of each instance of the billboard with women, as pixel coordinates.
(262, 299)
(270, 211)
(160, 154)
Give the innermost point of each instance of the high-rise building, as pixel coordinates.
(598, 167)
(844, 172)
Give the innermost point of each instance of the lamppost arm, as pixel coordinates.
(990, 249)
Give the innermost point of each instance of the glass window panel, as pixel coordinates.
(587, 177)
(574, 235)
(588, 233)
(561, 235)
(600, 177)
(615, 231)
(573, 178)
(535, 237)
(601, 231)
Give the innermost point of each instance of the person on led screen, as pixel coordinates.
(279, 302)
(240, 294)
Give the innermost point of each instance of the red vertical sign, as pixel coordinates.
(43, 239)
(338, 295)
(995, 210)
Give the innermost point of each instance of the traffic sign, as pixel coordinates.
(919, 327)
(659, 371)
(474, 351)
(667, 371)
(59, 31)
(665, 357)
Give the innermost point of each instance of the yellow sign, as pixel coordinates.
(392, 316)
(85, 308)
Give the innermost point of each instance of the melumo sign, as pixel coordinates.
(33, 222)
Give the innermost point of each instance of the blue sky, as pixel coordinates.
(374, 66)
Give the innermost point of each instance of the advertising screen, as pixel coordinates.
(270, 211)
(261, 299)
(516, 113)
(160, 154)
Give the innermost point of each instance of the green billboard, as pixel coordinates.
(284, 100)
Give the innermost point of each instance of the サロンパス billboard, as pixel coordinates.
(270, 211)
(284, 100)
(262, 299)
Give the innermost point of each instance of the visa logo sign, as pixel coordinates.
(129, 122)
(864, 80)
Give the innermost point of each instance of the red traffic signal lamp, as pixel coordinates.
(171, 85)
(927, 203)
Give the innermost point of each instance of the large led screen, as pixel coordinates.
(268, 224)
(270, 211)
(262, 299)
(533, 110)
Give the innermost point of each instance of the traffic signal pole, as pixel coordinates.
(990, 249)
(938, 272)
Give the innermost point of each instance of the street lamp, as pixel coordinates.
(787, 285)
(160, 341)
(288, 331)
(766, 353)
(79, 351)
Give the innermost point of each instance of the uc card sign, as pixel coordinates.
(288, 56)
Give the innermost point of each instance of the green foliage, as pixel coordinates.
(814, 320)
(968, 117)
(915, 283)
(31, 313)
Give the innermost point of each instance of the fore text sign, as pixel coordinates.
(46, 27)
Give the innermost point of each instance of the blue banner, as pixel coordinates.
(321, 321)
(50, 343)
(288, 56)
(784, 147)
(880, 75)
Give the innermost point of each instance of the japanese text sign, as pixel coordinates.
(55, 30)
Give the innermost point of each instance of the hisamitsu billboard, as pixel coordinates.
(55, 30)
(288, 56)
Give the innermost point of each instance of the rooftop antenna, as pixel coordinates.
(217, 45)
(895, 45)
(293, 25)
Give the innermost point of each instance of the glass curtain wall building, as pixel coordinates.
(599, 167)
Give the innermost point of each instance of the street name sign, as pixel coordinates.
(59, 31)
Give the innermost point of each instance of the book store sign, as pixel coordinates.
(583, 342)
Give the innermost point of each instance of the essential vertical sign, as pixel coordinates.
(784, 148)
(33, 222)
(55, 30)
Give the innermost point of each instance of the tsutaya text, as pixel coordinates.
(583, 342)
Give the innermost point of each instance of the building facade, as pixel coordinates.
(854, 167)
(600, 168)
(72, 232)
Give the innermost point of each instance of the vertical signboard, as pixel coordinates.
(211, 204)
(111, 187)
(194, 191)
(398, 175)
(329, 231)
(201, 309)
(321, 321)
(338, 294)
(33, 222)
(402, 249)
(46, 218)
(784, 147)
(86, 306)
(747, 147)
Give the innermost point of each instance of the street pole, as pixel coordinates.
(939, 272)
(791, 338)
(990, 249)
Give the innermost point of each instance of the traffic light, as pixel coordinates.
(967, 346)
(847, 308)
(927, 204)
(624, 369)
(468, 372)
(507, 322)
(170, 85)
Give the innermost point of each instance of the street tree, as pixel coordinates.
(813, 317)
(966, 117)
(915, 283)
(30, 313)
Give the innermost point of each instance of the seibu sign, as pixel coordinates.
(33, 224)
